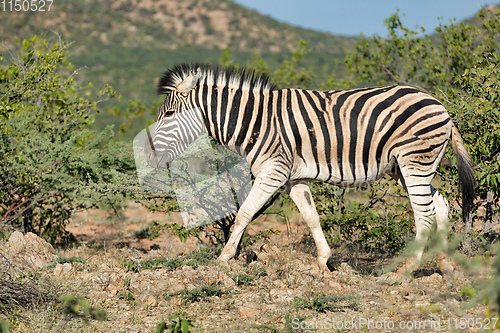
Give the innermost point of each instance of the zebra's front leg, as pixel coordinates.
(301, 195)
(262, 190)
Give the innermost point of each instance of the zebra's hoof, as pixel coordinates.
(444, 266)
(223, 262)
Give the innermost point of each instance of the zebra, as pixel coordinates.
(291, 136)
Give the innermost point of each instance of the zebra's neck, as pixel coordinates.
(234, 117)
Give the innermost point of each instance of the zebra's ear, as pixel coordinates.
(189, 83)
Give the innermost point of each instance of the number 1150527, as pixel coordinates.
(26, 5)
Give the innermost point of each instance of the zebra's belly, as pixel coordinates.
(349, 176)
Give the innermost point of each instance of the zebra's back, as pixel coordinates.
(353, 137)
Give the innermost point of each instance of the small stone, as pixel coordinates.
(104, 277)
(151, 301)
(422, 304)
(30, 251)
(263, 256)
(334, 285)
(284, 295)
(275, 249)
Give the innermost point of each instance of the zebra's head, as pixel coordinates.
(179, 121)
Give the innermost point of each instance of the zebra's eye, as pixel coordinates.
(168, 113)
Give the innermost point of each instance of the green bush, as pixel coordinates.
(52, 163)
(197, 294)
(198, 258)
(460, 66)
(323, 303)
(382, 225)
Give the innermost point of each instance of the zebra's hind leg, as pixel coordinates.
(422, 203)
(442, 219)
(428, 206)
(301, 195)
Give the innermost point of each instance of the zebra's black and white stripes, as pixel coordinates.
(347, 137)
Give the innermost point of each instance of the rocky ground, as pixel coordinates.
(274, 287)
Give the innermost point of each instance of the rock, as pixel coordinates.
(284, 295)
(278, 283)
(36, 244)
(154, 284)
(63, 270)
(104, 278)
(16, 242)
(391, 279)
(334, 285)
(263, 256)
(307, 269)
(116, 283)
(266, 252)
(173, 285)
(423, 304)
(143, 285)
(346, 269)
(249, 310)
(212, 276)
(187, 268)
(29, 251)
(434, 278)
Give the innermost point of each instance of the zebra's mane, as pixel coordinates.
(216, 75)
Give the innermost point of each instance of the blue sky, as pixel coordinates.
(352, 17)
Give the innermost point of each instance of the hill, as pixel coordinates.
(129, 43)
(168, 25)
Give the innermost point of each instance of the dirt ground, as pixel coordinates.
(274, 286)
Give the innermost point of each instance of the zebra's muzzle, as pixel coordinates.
(155, 158)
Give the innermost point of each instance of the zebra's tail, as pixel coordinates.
(465, 173)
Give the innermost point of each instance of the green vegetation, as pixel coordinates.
(52, 163)
(323, 303)
(246, 280)
(62, 260)
(198, 258)
(460, 67)
(197, 294)
(79, 307)
(177, 324)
